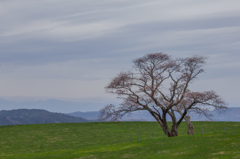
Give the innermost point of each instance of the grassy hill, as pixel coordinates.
(112, 140)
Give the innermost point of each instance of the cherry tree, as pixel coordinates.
(159, 84)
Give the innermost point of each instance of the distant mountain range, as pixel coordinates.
(38, 116)
(35, 116)
(232, 114)
(91, 115)
(52, 105)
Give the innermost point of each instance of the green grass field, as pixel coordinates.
(119, 140)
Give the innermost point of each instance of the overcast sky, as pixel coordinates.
(70, 49)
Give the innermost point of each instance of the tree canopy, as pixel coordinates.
(160, 85)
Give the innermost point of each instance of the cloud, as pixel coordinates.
(54, 45)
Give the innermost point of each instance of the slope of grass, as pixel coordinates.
(119, 140)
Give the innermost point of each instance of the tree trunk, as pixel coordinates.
(173, 132)
(164, 126)
(190, 126)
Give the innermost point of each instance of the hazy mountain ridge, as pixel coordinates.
(38, 116)
(35, 116)
(232, 114)
(52, 105)
(91, 115)
(134, 116)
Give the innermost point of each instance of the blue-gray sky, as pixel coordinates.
(70, 49)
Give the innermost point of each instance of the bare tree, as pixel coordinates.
(159, 85)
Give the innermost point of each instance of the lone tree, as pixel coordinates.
(159, 85)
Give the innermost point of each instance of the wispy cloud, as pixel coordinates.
(67, 48)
